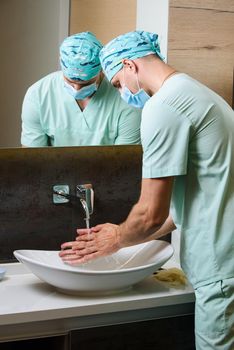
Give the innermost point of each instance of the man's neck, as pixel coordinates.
(155, 73)
(83, 103)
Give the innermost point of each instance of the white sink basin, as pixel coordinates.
(113, 273)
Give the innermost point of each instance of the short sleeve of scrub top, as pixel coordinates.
(165, 138)
(129, 126)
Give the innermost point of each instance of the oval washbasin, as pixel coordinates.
(113, 273)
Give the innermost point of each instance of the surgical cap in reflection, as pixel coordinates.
(79, 56)
(131, 45)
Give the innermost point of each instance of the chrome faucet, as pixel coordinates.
(84, 194)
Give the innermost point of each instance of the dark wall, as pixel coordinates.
(28, 217)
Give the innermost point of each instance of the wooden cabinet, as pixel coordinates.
(201, 42)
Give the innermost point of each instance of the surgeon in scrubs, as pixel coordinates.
(78, 106)
(187, 134)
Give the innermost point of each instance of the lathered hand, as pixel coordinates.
(90, 244)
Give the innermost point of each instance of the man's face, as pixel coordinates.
(78, 85)
(126, 77)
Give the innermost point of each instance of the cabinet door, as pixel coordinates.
(200, 42)
(56, 343)
(169, 333)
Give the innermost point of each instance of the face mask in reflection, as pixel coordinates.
(138, 99)
(81, 94)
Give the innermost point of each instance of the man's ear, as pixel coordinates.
(130, 65)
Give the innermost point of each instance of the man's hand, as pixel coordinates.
(90, 244)
(145, 222)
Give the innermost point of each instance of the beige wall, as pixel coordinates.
(201, 42)
(29, 36)
(105, 18)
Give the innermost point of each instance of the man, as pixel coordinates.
(78, 106)
(187, 135)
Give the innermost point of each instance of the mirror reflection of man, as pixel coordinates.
(187, 134)
(78, 106)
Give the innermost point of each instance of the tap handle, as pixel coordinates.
(65, 195)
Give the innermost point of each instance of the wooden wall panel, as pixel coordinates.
(201, 42)
(222, 5)
(105, 18)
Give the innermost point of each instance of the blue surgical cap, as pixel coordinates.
(79, 56)
(131, 45)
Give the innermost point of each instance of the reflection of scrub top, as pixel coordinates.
(188, 132)
(51, 116)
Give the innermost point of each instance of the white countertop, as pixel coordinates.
(24, 298)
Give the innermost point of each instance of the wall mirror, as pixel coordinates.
(31, 32)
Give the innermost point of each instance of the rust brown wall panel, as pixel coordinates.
(29, 219)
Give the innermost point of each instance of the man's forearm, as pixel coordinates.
(149, 214)
(139, 227)
(166, 228)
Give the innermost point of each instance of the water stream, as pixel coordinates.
(107, 258)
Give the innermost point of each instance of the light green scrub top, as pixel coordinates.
(50, 116)
(188, 132)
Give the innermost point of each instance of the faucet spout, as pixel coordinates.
(86, 195)
(86, 209)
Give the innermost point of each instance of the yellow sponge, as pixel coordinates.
(173, 276)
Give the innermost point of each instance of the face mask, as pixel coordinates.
(138, 99)
(81, 94)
